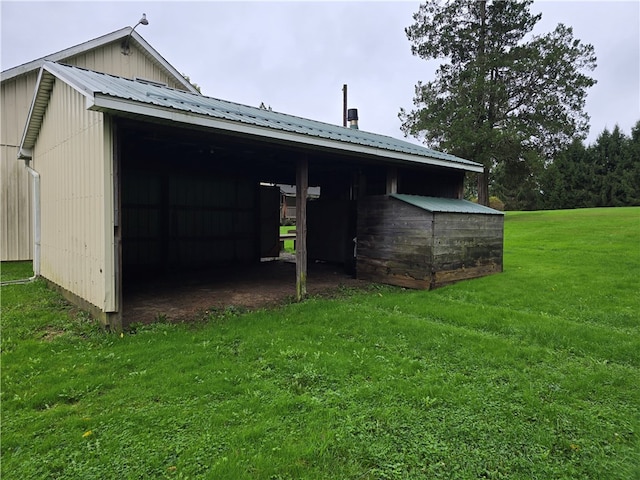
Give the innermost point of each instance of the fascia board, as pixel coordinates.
(48, 70)
(66, 53)
(25, 152)
(107, 103)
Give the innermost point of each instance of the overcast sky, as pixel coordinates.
(295, 56)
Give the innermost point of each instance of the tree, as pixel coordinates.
(616, 168)
(570, 181)
(502, 95)
(193, 84)
(604, 174)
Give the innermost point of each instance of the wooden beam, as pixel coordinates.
(302, 185)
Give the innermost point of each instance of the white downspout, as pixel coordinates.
(36, 221)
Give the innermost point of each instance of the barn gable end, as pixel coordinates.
(103, 54)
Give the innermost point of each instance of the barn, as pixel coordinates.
(140, 180)
(102, 54)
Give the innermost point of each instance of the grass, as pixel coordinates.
(15, 271)
(530, 374)
(289, 245)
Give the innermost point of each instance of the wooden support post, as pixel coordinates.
(392, 180)
(302, 185)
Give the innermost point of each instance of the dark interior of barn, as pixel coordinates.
(194, 203)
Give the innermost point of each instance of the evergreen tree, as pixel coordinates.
(630, 170)
(501, 100)
(605, 174)
(569, 182)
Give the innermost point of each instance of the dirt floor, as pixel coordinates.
(248, 288)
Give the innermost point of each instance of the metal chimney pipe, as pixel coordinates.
(352, 116)
(344, 105)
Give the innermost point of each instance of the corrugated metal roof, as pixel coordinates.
(445, 205)
(93, 84)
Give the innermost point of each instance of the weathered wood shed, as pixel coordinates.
(426, 242)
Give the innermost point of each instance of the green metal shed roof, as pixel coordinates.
(115, 94)
(445, 205)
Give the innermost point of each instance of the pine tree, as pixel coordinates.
(503, 95)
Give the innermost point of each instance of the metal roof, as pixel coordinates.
(62, 55)
(120, 95)
(445, 205)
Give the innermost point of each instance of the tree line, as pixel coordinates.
(603, 174)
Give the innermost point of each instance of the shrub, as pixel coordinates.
(496, 203)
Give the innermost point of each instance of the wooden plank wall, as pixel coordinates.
(269, 205)
(399, 244)
(394, 243)
(466, 246)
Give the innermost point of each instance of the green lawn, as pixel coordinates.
(530, 374)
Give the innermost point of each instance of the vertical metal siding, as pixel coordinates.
(72, 155)
(109, 59)
(16, 236)
(15, 193)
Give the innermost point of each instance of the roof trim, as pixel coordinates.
(445, 205)
(96, 43)
(39, 103)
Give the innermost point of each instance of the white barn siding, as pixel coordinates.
(16, 241)
(109, 59)
(16, 235)
(73, 155)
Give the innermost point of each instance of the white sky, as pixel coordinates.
(295, 56)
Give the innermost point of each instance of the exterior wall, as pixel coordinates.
(394, 243)
(400, 244)
(73, 155)
(109, 59)
(16, 241)
(466, 246)
(16, 237)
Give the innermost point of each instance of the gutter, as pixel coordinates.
(36, 221)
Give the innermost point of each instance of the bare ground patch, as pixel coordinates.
(249, 288)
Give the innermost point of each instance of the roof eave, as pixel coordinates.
(106, 103)
(44, 84)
